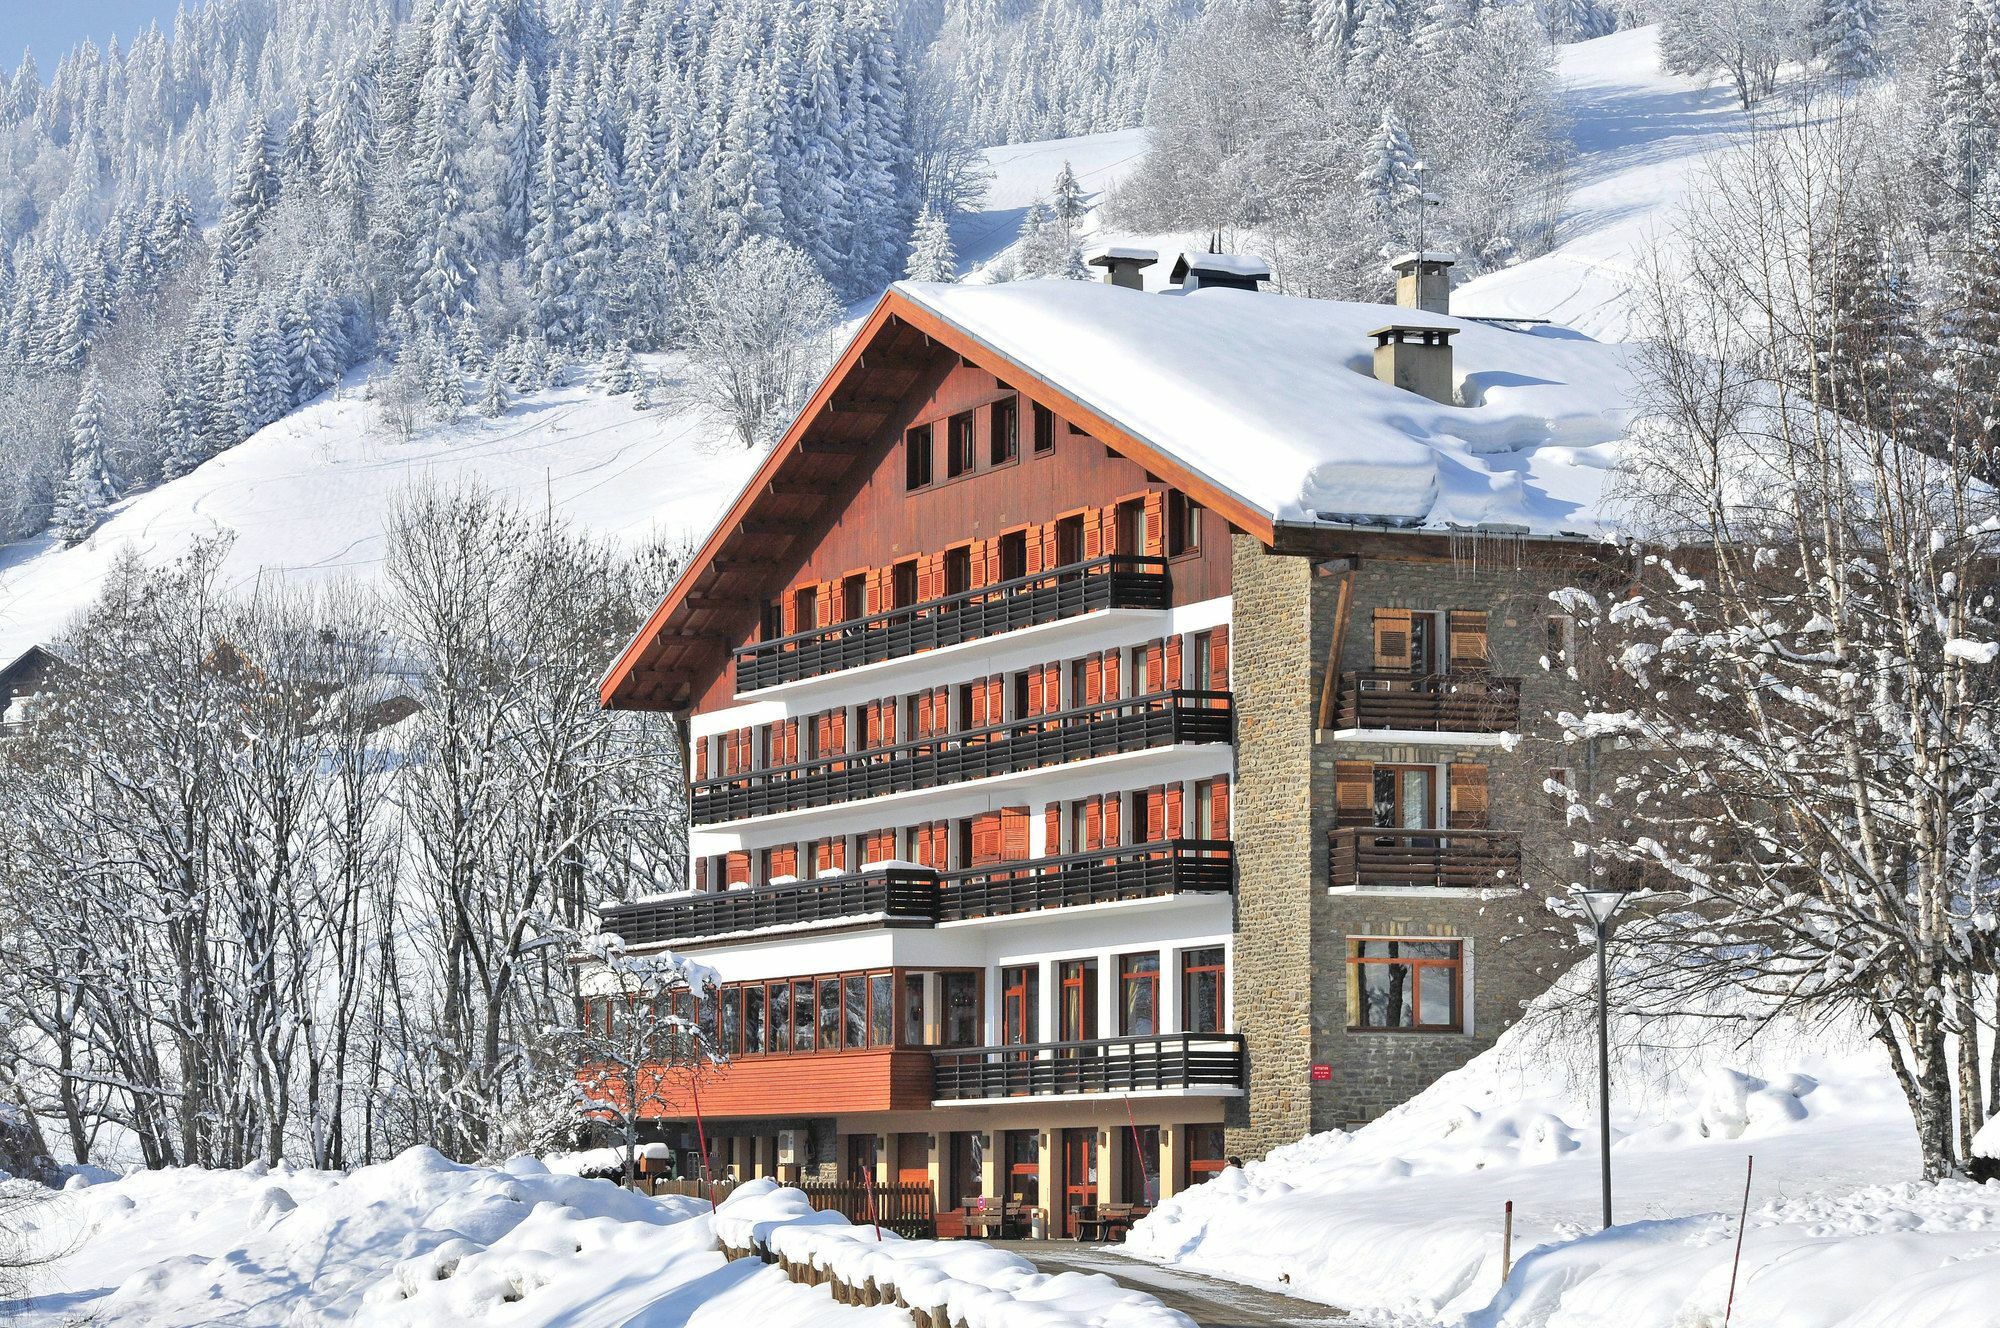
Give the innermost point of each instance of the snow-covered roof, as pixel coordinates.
(1103, 253)
(1272, 399)
(1443, 256)
(1233, 265)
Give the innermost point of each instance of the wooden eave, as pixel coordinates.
(827, 450)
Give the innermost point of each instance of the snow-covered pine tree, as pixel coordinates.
(1066, 199)
(253, 191)
(1042, 250)
(616, 377)
(1846, 36)
(931, 255)
(1389, 174)
(89, 487)
(493, 403)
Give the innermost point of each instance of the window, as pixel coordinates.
(1405, 797)
(1020, 1004)
(802, 1005)
(961, 1009)
(1024, 1167)
(1014, 555)
(780, 1033)
(1078, 1007)
(1202, 975)
(1139, 994)
(1205, 1155)
(1069, 540)
(855, 1026)
(917, 457)
(1004, 431)
(1045, 430)
(753, 1021)
(731, 1002)
(1141, 1172)
(958, 570)
(958, 451)
(1399, 984)
(1183, 524)
(903, 584)
(771, 626)
(913, 1010)
(829, 1014)
(805, 608)
(881, 1010)
(854, 596)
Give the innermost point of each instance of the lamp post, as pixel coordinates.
(1601, 905)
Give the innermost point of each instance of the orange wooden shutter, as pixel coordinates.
(785, 860)
(1468, 639)
(1113, 805)
(736, 869)
(985, 838)
(1173, 654)
(1466, 786)
(878, 590)
(1014, 834)
(1156, 815)
(700, 759)
(1156, 524)
(791, 742)
(1218, 809)
(1172, 814)
(1155, 668)
(872, 725)
(1392, 639)
(1093, 684)
(1049, 546)
(1093, 824)
(1109, 667)
(975, 565)
(1108, 521)
(993, 562)
(996, 700)
(878, 846)
(1093, 535)
(889, 722)
(701, 873)
(940, 844)
(1052, 830)
(1051, 689)
(840, 853)
(840, 730)
(1354, 792)
(976, 719)
(1033, 539)
(1218, 658)
(1034, 691)
(788, 610)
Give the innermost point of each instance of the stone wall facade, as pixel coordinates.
(1291, 978)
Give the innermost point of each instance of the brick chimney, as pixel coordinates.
(1123, 265)
(1416, 359)
(1423, 281)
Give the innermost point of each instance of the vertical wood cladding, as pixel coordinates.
(882, 521)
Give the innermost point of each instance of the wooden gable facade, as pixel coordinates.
(1016, 478)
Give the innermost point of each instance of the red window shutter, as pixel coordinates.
(840, 853)
(825, 603)
(872, 721)
(925, 722)
(1052, 830)
(889, 722)
(700, 759)
(701, 873)
(1014, 834)
(1051, 689)
(1218, 808)
(996, 700)
(976, 719)
(785, 860)
(791, 742)
(1034, 691)
(1155, 668)
(1093, 684)
(840, 730)
(1156, 524)
(1218, 658)
(1108, 521)
(1093, 824)
(736, 869)
(878, 590)
(1172, 813)
(993, 562)
(1113, 809)
(1173, 654)
(975, 565)
(1156, 813)
(1109, 667)
(788, 610)
(1034, 542)
(985, 838)
(873, 848)
(1093, 535)
(1049, 546)
(940, 844)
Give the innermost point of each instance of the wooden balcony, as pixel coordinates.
(801, 1084)
(1374, 857)
(893, 896)
(1142, 871)
(920, 897)
(1102, 1065)
(1430, 703)
(1131, 724)
(1117, 582)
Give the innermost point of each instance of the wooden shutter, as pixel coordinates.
(871, 725)
(1093, 824)
(1156, 672)
(1218, 808)
(1113, 815)
(1093, 683)
(788, 610)
(975, 564)
(1172, 814)
(1051, 689)
(993, 576)
(1354, 792)
(1466, 795)
(985, 839)
(1052, 829)
(736, 868)
(701, 873)
(1107, 520)
(1014, 834)
(1173, 653)
(824, 608)
(840, 730)
(889, 722)
(940, 844)
(878, 846)
(785, 860)
(1049, 545)
(791, 742)
(930, 577)
(1156, 814)
(976, 715)
(878, 590)
(1093, 535)
(700, 759)
(1468, 640)
(1218, 658)
(1156, 524)
(996, 699)
(1392, 639)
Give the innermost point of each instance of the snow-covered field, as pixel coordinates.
(427, 1243)
(1401, 1220)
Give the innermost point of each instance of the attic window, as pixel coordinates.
(917, 457)
(959, 449)
(1045, 430)
(1183, 524)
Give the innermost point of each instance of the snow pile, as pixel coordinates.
(1403, 1217)
(1274, 399)
(973, 1283)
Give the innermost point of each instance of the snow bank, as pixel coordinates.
(1403, 1216)
(969, 1281)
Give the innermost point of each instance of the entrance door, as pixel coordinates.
(1020, 999)
(1079, 1175)
(1079, 1000)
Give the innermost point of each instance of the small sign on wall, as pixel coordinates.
(1322, 1073)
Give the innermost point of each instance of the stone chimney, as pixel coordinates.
(1123, 266)
(1193, 272)
(1416, 359)
(1423, 281)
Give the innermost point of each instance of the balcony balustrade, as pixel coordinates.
(1430, 703)
(1120, 581)
(1130, 724)
(1374, 857)
(920, 897)
(1100, 1065)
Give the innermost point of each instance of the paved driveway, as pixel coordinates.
(1209, 1301)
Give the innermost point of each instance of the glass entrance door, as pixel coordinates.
(1079, 1175)
(1078, 1010)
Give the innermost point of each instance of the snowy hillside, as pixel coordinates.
(1404, 1216)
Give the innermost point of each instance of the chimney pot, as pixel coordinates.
(1416, 358)
(1423, 281)
(1123, 265)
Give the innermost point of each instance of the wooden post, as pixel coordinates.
(1507, 1245)
(1329, 692)
(1743, 1220)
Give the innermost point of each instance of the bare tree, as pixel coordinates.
(638, 1035)
(756, 337)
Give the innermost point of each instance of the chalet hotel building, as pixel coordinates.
(1074, 802)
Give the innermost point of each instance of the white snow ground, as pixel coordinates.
(1401, 1220)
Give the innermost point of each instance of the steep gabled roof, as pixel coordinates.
(1261, 406)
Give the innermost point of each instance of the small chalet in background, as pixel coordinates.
(1100, 706)
(31, 674)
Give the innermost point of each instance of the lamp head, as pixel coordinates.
(1600, 905)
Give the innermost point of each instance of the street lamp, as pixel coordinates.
(1601, 905)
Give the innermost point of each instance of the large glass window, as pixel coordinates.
(1183, 524)
(855, 1023)
(1205, 1155)
(961, 1010)
(1020, 1004)
(803, 1039)
(1202, 977)
(753, 1021)
(1399, 984)
(1024, 1167)
(1045, 429)
(1139, 994)
(1141, 1173)
(913, 1009)
(829, 1014)
(781, 1017)
(731, 1001)
(882, 1009)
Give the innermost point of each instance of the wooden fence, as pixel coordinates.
(909, 1210)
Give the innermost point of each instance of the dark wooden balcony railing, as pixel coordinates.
(1101, 1065)
(920, 897)
(894, 894)
(1430, 703)
(1373, 856)
(1131, 724)
(1141, 871)
(1120, 581)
